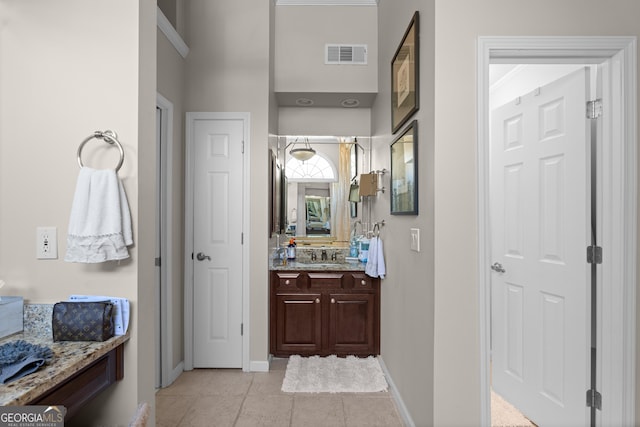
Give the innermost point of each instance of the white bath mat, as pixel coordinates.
(333, 374)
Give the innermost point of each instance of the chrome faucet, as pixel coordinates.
(334, 256)
(313, 256)
(323, 256)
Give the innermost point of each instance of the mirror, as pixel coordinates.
(318, 210)
(312, 207)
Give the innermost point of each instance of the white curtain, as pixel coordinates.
(340, 207)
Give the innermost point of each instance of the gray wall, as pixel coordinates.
(65, 73)
(408, 299)
(301, 33)
(458, 24)
(228, 70)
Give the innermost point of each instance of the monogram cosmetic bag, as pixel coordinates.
(82, 321)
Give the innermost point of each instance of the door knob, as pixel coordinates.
(202, 257)
(498, 267)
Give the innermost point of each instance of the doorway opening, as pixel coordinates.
(616, 216)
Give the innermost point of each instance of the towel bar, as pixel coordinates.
(109, 137)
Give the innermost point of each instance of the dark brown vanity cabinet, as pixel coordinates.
(324, 313)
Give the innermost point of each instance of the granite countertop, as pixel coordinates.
(69, 357)
(320, 266)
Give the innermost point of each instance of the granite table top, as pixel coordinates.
(319, 266)
(69, 357)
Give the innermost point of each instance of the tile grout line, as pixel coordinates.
(244, 398)
(344, 411)
(293, 405)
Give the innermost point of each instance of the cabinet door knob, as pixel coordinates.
(286, 282)
(333, 300)
(363, 282)
(317, 300)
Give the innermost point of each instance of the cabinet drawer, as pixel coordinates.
(362, 281)
(326, 280)
(288, 281)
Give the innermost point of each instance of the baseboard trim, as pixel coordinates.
(402, 408)
(176, 372)
(259, 366)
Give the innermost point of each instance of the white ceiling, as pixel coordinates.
(326, 2)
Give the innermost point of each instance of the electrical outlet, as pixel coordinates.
(415, 239)
(46, 243)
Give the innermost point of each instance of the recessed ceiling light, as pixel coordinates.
(350, 103)
(304, 102)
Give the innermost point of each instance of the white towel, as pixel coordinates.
(375, 263)
(100, 221)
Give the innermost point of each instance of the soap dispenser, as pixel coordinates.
(353, 247)
(363, 255)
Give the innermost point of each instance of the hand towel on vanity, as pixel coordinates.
(375, 263)
(100, 221)
(20, 358)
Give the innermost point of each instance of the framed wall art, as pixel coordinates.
(404, 172)
(404, 76)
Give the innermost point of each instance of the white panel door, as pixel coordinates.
(540, 220)
(217, 245)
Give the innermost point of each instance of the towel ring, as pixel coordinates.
(376, 228)
(109, 137)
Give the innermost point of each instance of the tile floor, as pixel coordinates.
(230, 397)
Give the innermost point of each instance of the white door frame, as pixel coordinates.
(165, 241)
(617, 302)
(188, 247)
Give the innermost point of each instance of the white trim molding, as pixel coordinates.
(259, 366)
(167, 29)
(166, 238)
(617, 215)
(175, 373)
(395, 393)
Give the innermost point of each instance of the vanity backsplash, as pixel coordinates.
(320, 254)
(37, 319)
(11, 315)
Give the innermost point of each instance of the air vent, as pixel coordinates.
(345, 54)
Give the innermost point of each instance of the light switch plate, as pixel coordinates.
(415, 239)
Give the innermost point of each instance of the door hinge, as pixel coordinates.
(242, 147)
(594, 109)
(241, 329)
(158, 262)
(242, 238)
(594, 399)
(594, 255)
